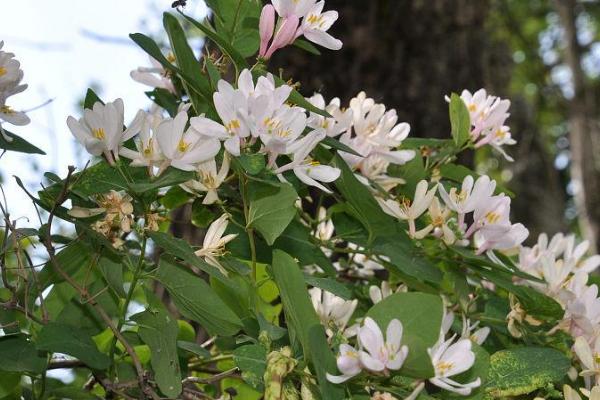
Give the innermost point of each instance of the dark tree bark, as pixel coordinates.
(583, 131)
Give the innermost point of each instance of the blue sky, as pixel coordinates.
(56, 43)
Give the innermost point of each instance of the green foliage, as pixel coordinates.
(459, 120)
(522, 370)
(272, 208)
(421, 317)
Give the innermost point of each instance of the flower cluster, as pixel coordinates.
(296, 18)
(488, 117)
(11, 76)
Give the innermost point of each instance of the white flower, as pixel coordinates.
(214, 242)
(377, 293)
(300, 8)
(148, 151)
(101, 129)
(589, 359)
(488, 115)
(471, 195)
(280, 132)
(339, 122)
(184, 149)
(501, 237)
(11, 76)
(473, 332)
(379, 354)
(450, 359)
(439, 217)
(316, 24)
(155, 76)
(407, 210)
(325, 228)
(571, 394)
(333, 311)
(209, 180)
(582, 314)
(348, 363)
(307, 170)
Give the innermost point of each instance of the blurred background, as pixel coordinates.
(544, 55)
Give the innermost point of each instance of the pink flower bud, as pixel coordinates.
(285, 35)
(266, 27)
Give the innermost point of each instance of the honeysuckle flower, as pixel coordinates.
(501, 237)
(407, 210)
(232, 107)
(149, 153)
(439, 217)
(470, 196)
(101, 131)
(11, 76)
(379, 354)
(339, 122)
(325, 228)
(582, 314)
(383, 396)
(489, 213)
(214, 242)
(285, 35)
(473, 332)
(209, 180)
(315, 25)
(183, 148)
(333, 311)
(300, 8)
(589, 358)
(374, 168)
(378, 293)
(450, 358)
(517, 316)
(500, 137)
(574, 255)
(348, 363)
(571, 394)
(155, 76)
(265, 28)
(279, 134)
(307, 170)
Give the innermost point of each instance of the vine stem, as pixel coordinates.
(132, 287)
(249, 230)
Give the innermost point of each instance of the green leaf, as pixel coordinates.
(10, 385)
(253, 164)
(460, 120)
(181, 249)
(91, 98)
(187, 62)
(158, 329)
(361, 202)
(170, 177)
(196, 300)
(272, 208)
(223, 44)
(522, 370)
(112, 270)
(336, 144)
(164, 99)
(307, 46)
(330, 285)
(18, 354)
(18, 144)
(297, 239)
(193, 348)
(301, 316)
(252, 361)
(59, 338)
(421, 317)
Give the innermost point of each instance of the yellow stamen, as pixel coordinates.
(492, 217)
(3, 71)
(444, 367)
(472, 107)
(232, 125)
(183, 146)
(171, 57)
(148, 151)
(99, 133)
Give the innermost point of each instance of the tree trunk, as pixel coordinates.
(583, 133)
